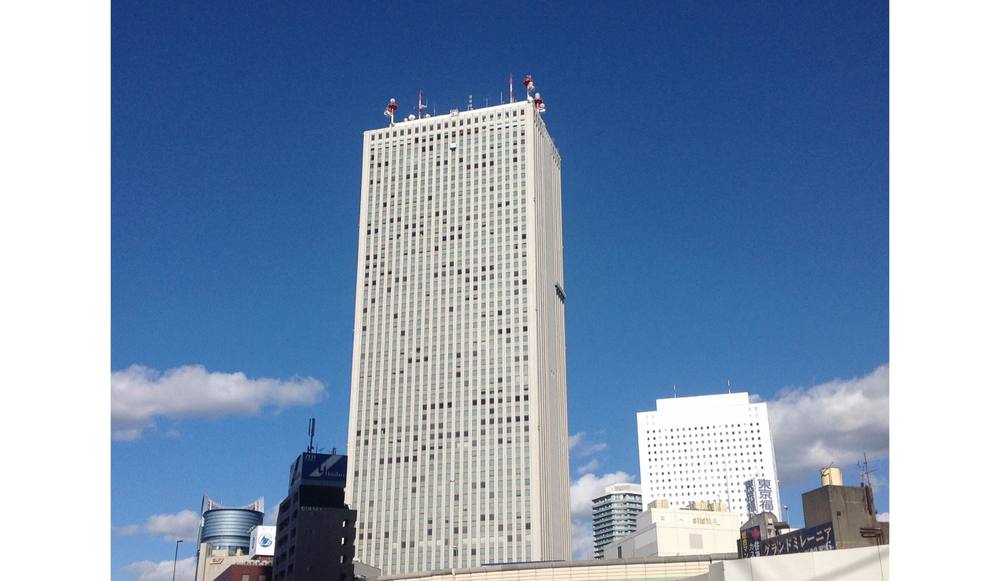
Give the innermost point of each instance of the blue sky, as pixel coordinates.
(725, 200)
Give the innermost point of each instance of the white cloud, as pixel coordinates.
(582, 445)
(139, 395)
(836, 422)
(582, 539)
(588, 467)
(581, 492)
(882, 517)
(162, 571)
(181, 525)
(588, 486)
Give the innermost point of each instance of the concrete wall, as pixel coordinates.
(653, 569)
(668, 532)
(862, 564)
(844, 506)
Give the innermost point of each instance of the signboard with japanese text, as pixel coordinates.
(760, 496)
(749, 543)
(817, 538)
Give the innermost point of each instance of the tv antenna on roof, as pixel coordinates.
(866, 473)
(312, 432)
(420, 104)
(729, 386)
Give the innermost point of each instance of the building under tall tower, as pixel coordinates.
(314, 540)
(614, 514)
(708, 448)
(458, 431)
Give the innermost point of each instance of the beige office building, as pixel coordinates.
(458, 439)
(666, 531)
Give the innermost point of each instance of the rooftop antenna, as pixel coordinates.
(420, 104)
(510, 94)
(390, 112)
(470, 102)
(729, 386)
(675, 391)
(866, 473)
(866, 479)
(312, 432)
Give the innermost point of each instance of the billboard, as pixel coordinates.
(262, 541)
(760, 496)
(319, 469)
(817, 538)
(749, 543)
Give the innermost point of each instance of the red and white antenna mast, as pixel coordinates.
(390, 112)
(420, 104)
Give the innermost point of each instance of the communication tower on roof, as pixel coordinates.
(312, 432)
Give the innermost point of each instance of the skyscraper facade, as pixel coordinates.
(614, 514)
(458, 431)
(707, 448)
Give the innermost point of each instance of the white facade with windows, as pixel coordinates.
(706, 448)
(458, 440)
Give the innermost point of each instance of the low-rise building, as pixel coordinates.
(836, 517)
(316, 528)
(224, 536)
(698, 529)
(246, 572)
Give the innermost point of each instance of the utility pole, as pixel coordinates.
(177, 546)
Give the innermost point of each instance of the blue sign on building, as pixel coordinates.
(319, 470)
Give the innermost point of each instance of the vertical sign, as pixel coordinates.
(749, 545)
(764, 491)
(751, 489)
(760, 496)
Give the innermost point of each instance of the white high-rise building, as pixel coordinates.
(707, 448)
(458, 440)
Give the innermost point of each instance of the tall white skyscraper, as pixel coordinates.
(707, 448)
(458, 439)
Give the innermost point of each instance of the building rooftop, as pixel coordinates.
(712, 558)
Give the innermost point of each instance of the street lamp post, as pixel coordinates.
(177, 546)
